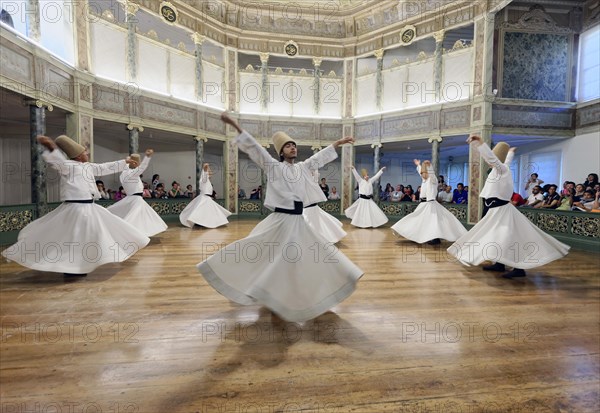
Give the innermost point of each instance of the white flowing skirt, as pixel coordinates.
(323, 223)
(506, 236)
(203, 210)
(284, 265)
(430, 220)
(75, 238)
(135, 210)
(365, 213)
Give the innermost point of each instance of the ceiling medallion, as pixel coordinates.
(408, 34)
(168, 12)
(291, 48)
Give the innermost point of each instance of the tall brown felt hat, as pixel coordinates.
(501, 150)
(280, 139)
(71, 148)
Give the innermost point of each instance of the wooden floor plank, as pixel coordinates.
(421, 334)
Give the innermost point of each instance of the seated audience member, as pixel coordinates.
(146, 193)
(545, 189)
(591, 181)
(579, 190)
(446, 195)
(241, 193)
(413, 194)
(418, 194)
(407, 195)
(159, 192)
(387, 194)
(536, 197)
(120, 194)
(566, 201)
(175, 191)
(334, 194)
(255, 193)
(588, 202)
(397, 194)
(517, 200)
(552, 199)
(460, 196)
(189, 191)
(103, 193)
(566, 186)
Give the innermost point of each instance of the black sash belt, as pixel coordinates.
(311, 205)
(494, 202)
(366, 196)
(298, 208)
(82, 201)
(139, 194)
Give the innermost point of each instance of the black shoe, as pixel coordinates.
(68, 274)
(495, 267)
(515, 273)
(434, 241)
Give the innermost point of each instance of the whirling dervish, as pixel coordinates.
(430, 221)
(133, 208)
(364, 212)
(203, 210)
(504, 235)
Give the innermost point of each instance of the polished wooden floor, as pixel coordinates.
(420, 334)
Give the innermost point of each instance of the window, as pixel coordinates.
(547, 165)
(589, 65)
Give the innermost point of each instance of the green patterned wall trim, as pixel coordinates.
(530, 215)
(177, 207)
(250, 206)
(586, 226)
(460, 212)
(161, 208)
(578, 229)
(553, 223)
(332, 207)
(394, 209)
(220, 202)
(16, 220)
(410, 207)
(572, 224)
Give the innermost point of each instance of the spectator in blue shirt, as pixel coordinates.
(460, 196)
